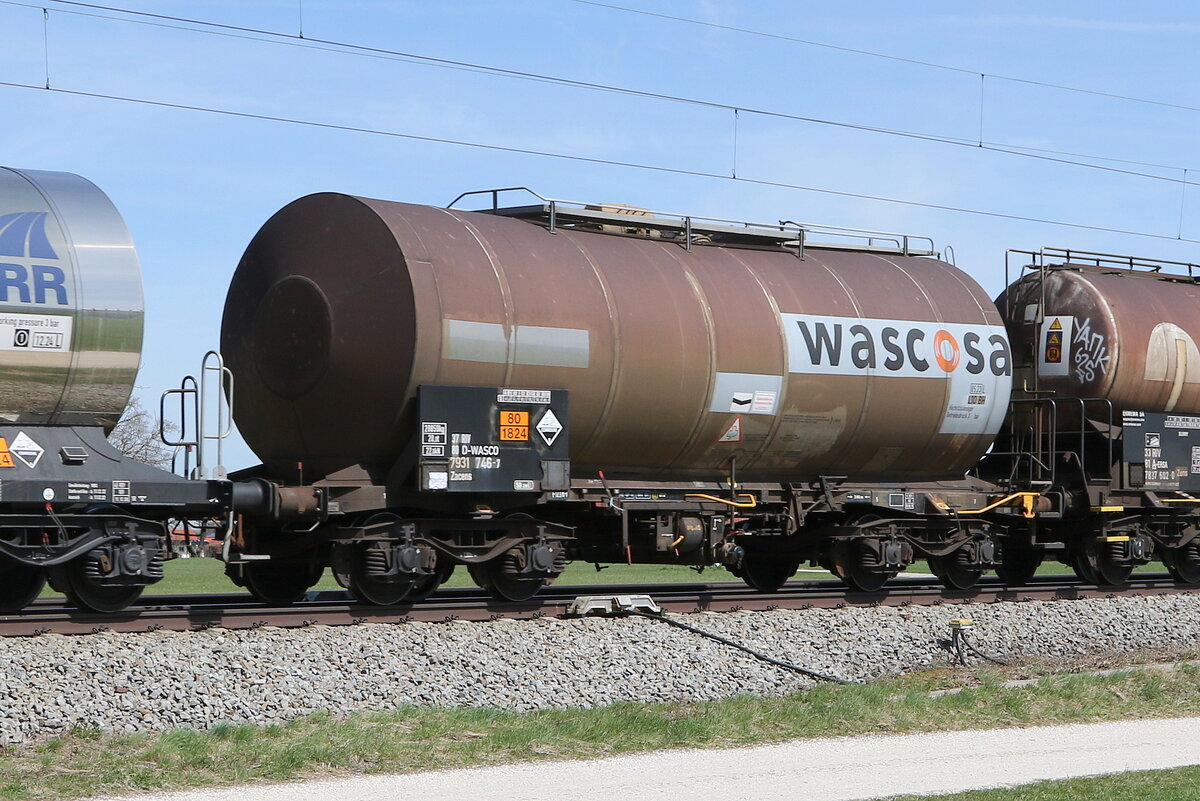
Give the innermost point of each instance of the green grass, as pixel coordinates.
(84, 762)
(184, 576)
(207, 575)
(1179, 784)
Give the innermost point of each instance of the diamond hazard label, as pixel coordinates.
(549, 427)
(734, 432)
(6, 459)
(26, 450)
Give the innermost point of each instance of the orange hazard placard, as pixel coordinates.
(514, 433)
(6, 459)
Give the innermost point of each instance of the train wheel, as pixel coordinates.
(424, 587)
(854, 565)
(364, 584)
(952, 573)
(1183, 563)
(19, 585)
(372, 589)
(503, 580)
(766, 573)
(85, 593)
(1018, 565)
(277, 582)
(1095, 564)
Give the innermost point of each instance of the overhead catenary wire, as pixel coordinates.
(890, 56)
(282, 38)
(593, 160)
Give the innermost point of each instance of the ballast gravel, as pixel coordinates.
(160, 680)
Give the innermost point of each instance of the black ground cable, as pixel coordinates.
(757, 655)
(960, 639)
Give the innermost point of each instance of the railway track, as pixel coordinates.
(334, 607)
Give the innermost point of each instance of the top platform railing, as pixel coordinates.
(1067, 259)
(692, 230)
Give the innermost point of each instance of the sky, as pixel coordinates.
(984, 126)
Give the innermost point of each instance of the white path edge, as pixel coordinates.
(833, 769)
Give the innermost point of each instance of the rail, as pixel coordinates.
(693, 229)
(334, 608)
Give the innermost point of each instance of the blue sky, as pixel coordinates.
(194, 187)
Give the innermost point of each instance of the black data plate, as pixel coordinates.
(492, 439)
(1162, 451)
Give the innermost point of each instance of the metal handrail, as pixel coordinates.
(908, 243)
(212, 368)
(1091, 258)
(214, 363)
(1044, 445)
(187, 388)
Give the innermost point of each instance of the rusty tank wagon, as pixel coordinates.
(1106, 410)
(746, 395)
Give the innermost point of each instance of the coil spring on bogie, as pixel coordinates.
(1118, 551)
(869, 555)
(375, 562)
(1191, 551)
(92, 569)
(154, 568)
(511, 563)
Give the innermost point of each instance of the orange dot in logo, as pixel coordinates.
(945, 348)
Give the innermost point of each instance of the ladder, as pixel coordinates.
(205, 418)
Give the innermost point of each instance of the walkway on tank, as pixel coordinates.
(837, 769)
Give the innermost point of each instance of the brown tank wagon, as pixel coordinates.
(1105, 411)
(1097, 326)
(864, 362)
(739, 394)
(509, 388)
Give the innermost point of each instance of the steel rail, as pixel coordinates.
(336, 608)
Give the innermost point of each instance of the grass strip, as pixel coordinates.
(84, 763)
(208, 575)
(1176, 784)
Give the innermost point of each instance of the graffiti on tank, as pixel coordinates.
(1091, 353)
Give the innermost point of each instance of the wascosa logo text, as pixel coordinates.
(900, 348)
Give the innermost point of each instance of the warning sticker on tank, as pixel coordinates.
(1054, 349)
(35, 332)
(549, 427)
(25, 449)
(734, 432)
(6, 459)
(745, 393)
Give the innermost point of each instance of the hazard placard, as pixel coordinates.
(1055, 351)
(6, 459)
(1054, 336)
(734, 432)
